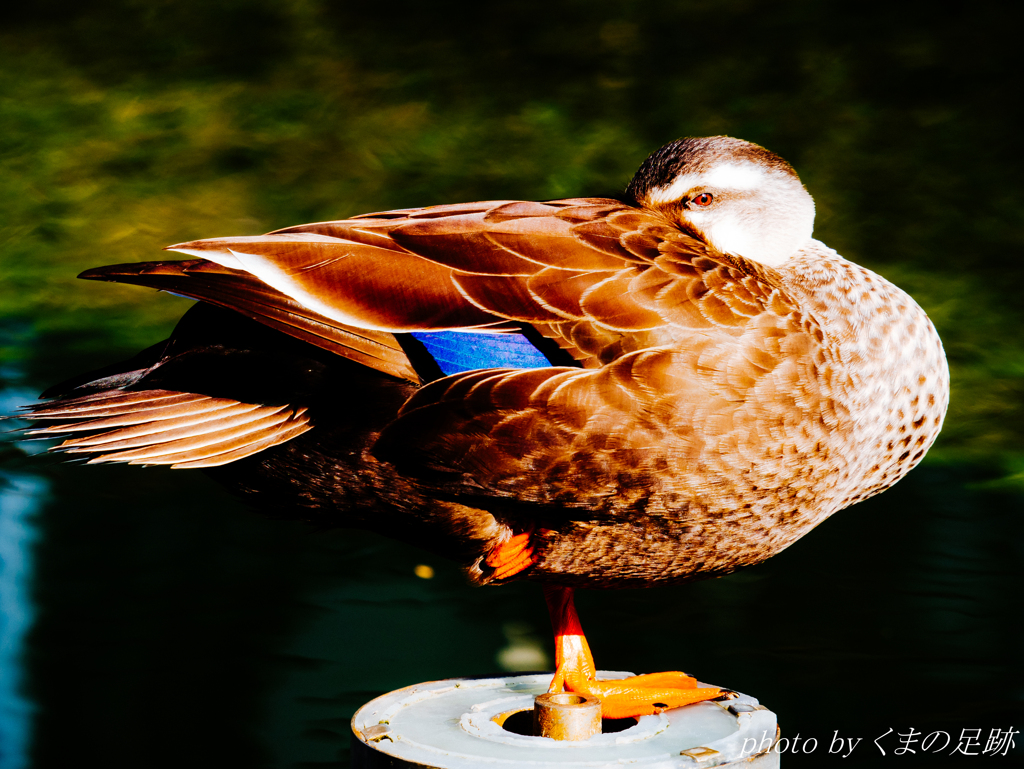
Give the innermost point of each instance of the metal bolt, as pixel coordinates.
(376, 733)
(566, 716)
(743, 707)
(701, 754)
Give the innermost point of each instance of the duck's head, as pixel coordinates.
(741, 198)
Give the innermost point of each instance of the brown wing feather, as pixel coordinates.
(464, 243)
(351, 283)
(246, 294)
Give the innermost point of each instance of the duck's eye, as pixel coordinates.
(704, 199)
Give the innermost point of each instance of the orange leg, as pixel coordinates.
(575, 671)
(512, 556)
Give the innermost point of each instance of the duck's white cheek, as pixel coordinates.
(728, 236)
(733, 235)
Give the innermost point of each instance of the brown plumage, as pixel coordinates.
(723, 382)
(721, 406)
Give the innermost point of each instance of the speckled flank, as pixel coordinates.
(781, 447)
(895, 381)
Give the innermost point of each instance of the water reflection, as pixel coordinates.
(21, 496)
(526, 650)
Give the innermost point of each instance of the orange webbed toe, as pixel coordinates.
(626, 698)
(511, 556)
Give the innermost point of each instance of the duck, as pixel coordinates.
(588, 393)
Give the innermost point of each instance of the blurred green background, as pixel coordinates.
(150, 620)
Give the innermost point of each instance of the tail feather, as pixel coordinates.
(141, 433)
(163, 427)
(111, 403)
(286, 433)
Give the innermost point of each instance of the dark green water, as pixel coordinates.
(149, 619)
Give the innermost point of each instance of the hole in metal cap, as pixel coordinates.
(566, 699)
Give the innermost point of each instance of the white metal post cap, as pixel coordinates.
(458, 724)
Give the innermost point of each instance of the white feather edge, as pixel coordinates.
(275, 277)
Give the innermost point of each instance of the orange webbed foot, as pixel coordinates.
(643, 695)
(511, 556)
(624, 698)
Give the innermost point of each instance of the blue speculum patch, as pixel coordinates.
(456, 351)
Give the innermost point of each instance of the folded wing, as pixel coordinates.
(585, 272)
(677, 347)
